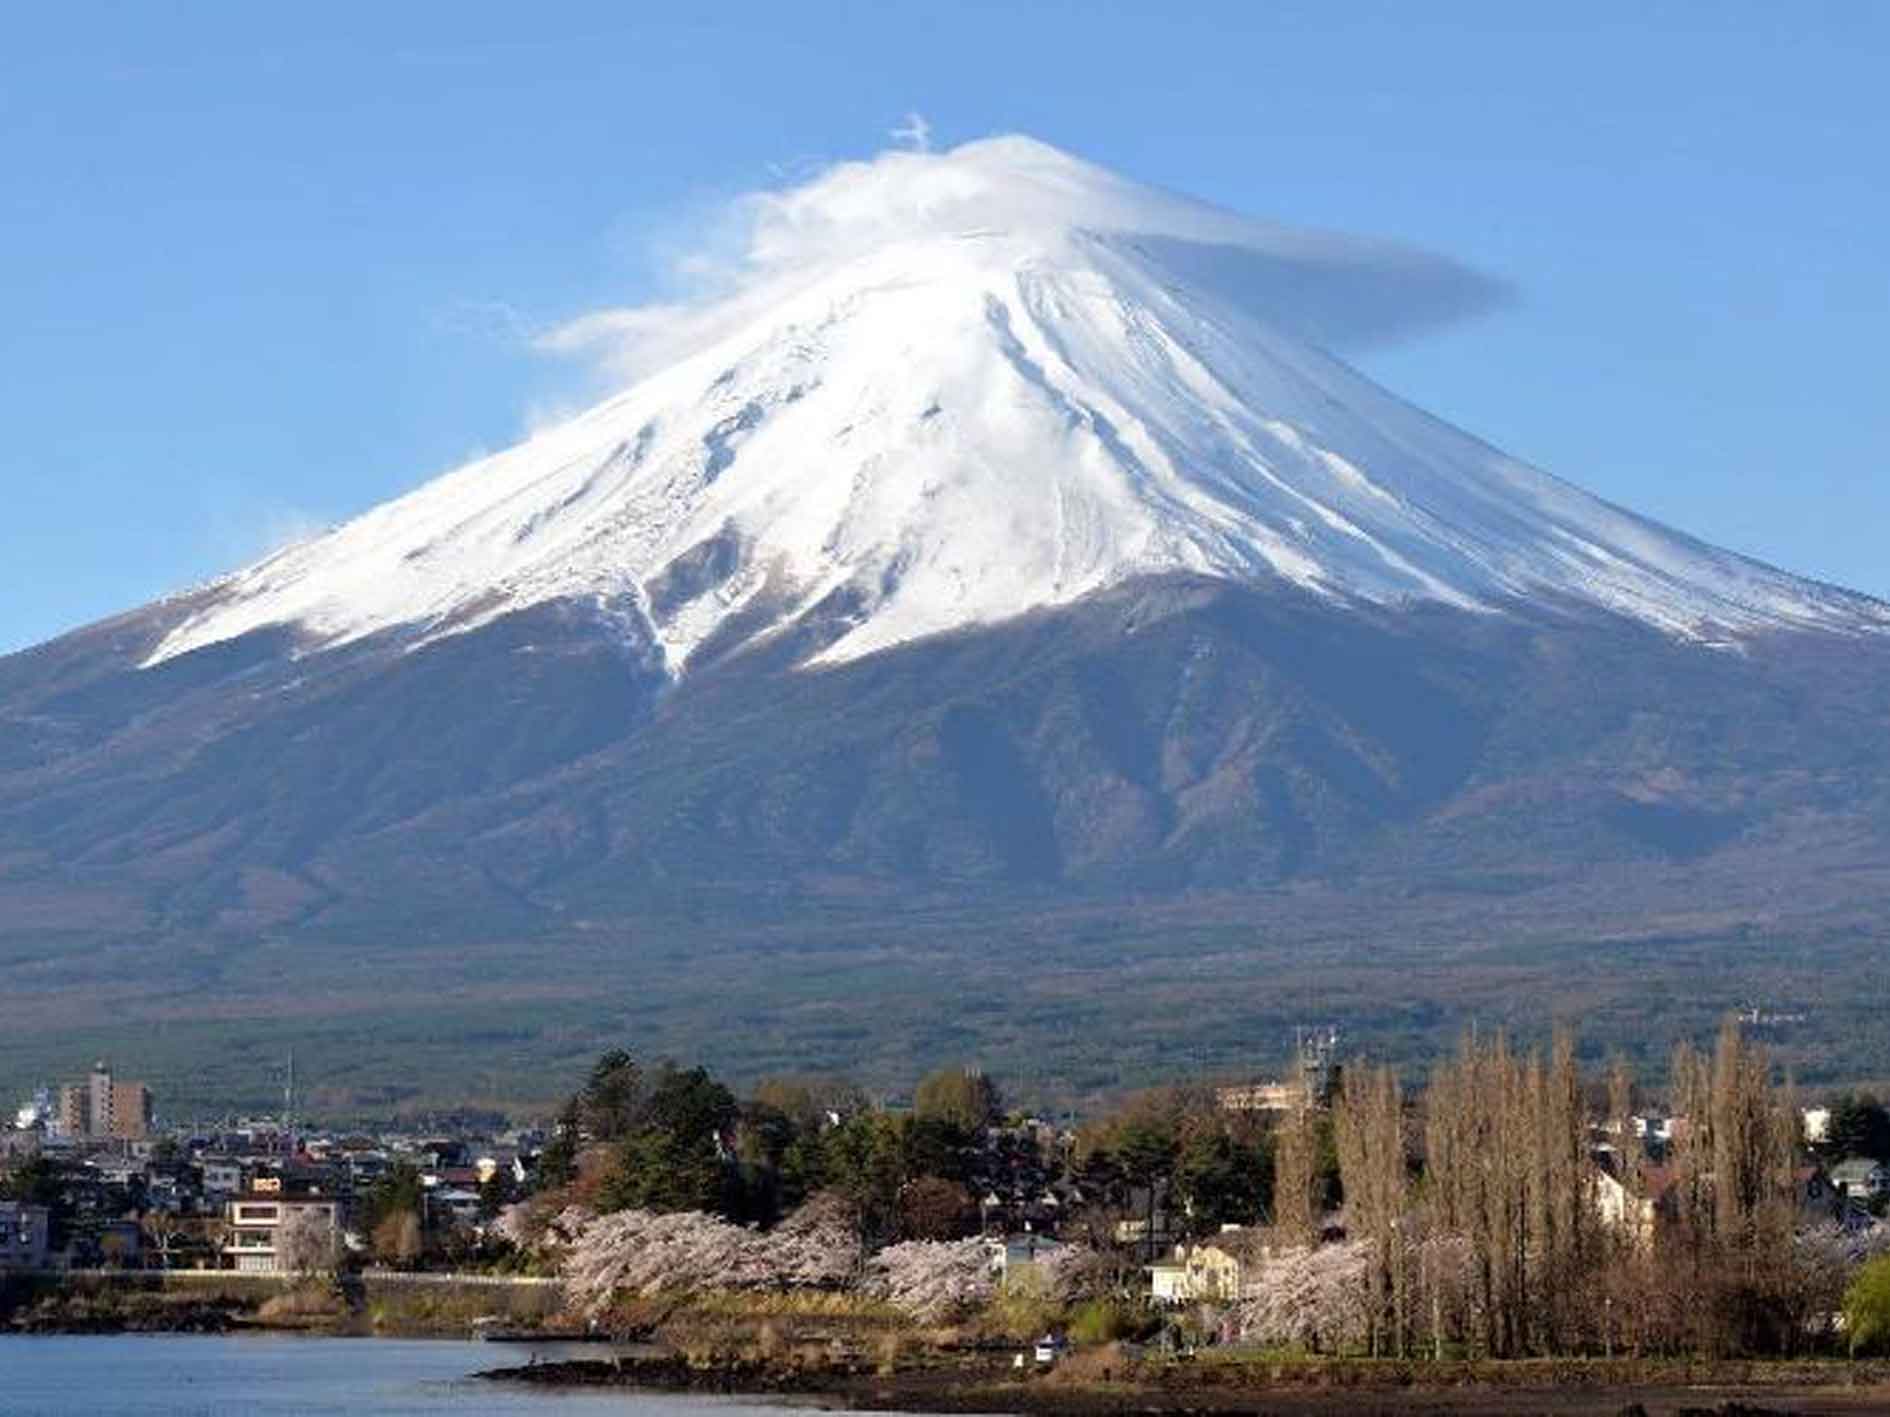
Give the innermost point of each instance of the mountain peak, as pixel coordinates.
(941, 390)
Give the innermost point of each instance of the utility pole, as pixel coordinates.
(288, 1110)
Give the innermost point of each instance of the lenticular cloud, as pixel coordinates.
(1346, 293)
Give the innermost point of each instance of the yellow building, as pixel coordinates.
(1216, 1271)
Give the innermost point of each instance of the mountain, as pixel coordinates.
(995, 623)
(960, 422)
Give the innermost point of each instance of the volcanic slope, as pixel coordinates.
(998, 588)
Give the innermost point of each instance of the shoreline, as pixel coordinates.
(379, 1306)
(833, 1363)
(1292, 1388)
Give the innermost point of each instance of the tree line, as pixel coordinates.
(1508, 1216)
(660, 1137)
(1507, 1208)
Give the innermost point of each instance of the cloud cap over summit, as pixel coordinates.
(1344, 292)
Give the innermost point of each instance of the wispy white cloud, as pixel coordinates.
(737, 257)
(242, 525)
(913, 134)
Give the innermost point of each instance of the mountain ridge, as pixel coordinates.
(1167, 816)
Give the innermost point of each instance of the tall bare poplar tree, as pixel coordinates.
(1734, 1195)
(1370, 1133)
(1295, 1175)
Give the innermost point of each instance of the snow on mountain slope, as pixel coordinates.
(958, 387)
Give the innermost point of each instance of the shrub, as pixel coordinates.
(1101, 1321)
(1020, 1315)
(1867, 1307)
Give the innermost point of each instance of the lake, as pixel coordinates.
(170, 1375)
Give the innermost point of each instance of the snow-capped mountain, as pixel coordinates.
(949, 389)
(1266, 697)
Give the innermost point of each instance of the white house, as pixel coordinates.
(1624, 1211)
(1168, 1282)
(1860, 1178)
(256, 1222)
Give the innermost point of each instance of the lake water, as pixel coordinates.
(171, 1375)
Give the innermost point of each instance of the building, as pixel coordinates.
(74, 1117)
(1817, 1122)
(1168, 1282)
(1260, 1097)
(222, 1176)
(105, 1107)
(1628, 1211)
(1016, 1260)
(258, 1219)
(1860, 1178)
(25, 1237)
(452, 1205)
(1657, 1132)
(1216, 1271)
(1315, 1064)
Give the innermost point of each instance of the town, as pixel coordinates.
(92, 1182)
(1511, 1207)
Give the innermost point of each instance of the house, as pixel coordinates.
(166, 1193)
(1168, 1282)
(1624, 1210)
(457, 1205)
(1216, 1271)
(222, 1177)
(257, 1219)
(367, 1167)
(1860, 1178)
(1015, 1260)
(1630, 1201)
(25, 1236)
(122, 1174)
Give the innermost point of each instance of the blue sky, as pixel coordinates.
(263, 266)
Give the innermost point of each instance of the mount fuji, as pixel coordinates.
(1024, 382)
(998, 562)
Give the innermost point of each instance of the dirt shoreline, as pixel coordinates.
(155, 1302)
(1294, 1390)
